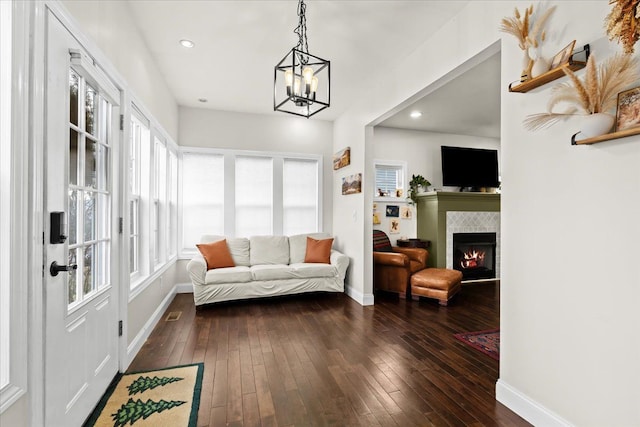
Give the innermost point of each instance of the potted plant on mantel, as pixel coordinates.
(418, 184)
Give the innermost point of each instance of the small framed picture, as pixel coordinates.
(393, 211)
(352, 184)
(405, 212)
(376, 218)
(342, 158)
(563, 56)
(628, 113)
(394, 226)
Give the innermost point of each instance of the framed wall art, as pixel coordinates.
(342, 158)
(393, 211)
(628, 113)
(352, 184)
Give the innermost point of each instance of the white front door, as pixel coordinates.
(81, 299)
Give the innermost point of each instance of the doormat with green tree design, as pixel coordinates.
(165, 397)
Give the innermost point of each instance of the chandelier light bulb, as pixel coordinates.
(314, 84)
(288, 77)
(307, 73)
(296, 86)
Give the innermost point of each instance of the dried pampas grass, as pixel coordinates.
(523, 28)
(623, 23)
(597, 94)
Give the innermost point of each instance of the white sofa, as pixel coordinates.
(265, 266)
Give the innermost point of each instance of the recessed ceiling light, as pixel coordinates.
(187, 43)
(202, 99)
(416, 114)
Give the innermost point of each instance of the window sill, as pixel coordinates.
(390, 199)
(144, 282)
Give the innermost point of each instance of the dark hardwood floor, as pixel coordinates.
(322, 359)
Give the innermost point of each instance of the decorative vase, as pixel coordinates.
(596, 124)
(527, 64)
(540, 66)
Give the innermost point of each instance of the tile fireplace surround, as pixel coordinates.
(472, 222)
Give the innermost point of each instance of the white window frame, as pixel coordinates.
(14, 218)
(139, 130)
(149, 269)
(395, 164)
(229, 182)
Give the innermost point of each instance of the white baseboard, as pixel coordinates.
(184, 288)
(359, 297)
(527, 408)
(141, 338)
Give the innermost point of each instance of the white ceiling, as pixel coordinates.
(467, 105)
(237, 44)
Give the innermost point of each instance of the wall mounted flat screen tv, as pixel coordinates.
(469, 167)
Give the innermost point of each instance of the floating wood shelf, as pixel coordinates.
(606, 137)
(547, 77)
(555, 73)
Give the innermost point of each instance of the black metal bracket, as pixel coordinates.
(573, 138)
(586, 51)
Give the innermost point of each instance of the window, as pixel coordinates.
(14, 201)
(172, 211)
(254, 196)
(159, 201)
(243, 194)
(390, 179)
(153, 198)
(202, 196)
(299, 196)
(5, 195)
(88, 189)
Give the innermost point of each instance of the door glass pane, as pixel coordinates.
(103, 223)
(90, 110)
(73, 217)
(73, 98)
(103, 263)
(73, 157)
(89, 216)
(88, 277)
(102, 171)
(72, 280)
(90, 164)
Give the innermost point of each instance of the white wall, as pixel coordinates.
(569, 314)
(421, 151)
(200, 127)
(110, 25)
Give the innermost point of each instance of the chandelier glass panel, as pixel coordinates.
(301, 82)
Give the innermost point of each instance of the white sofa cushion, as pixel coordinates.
(271, 272)
(239, 248)
(269, 250)
(293, 271)
(228, 275)
(298, 245)
(307, 271)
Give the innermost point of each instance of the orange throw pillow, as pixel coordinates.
(216, 254)
(318, 251)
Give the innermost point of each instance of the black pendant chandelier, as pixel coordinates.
(301, 81)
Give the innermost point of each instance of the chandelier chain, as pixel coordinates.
(301, 31)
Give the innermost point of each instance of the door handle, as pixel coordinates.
(57, 268)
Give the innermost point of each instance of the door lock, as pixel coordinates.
(57, 268)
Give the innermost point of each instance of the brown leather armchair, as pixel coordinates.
(393, 266)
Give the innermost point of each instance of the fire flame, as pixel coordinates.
(472, 258)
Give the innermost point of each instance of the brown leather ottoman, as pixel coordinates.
(439, 283)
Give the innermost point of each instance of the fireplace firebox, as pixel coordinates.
(474, 254)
